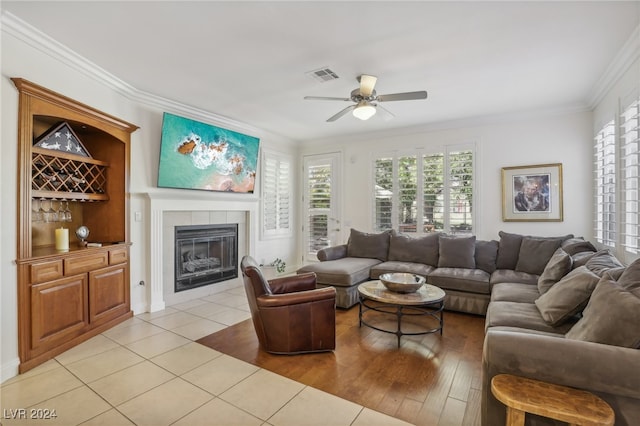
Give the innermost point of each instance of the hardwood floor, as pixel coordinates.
(429, 380)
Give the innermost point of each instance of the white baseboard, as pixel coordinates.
(9, 369)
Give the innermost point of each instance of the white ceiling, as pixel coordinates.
(247, 60)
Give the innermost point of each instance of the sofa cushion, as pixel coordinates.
(363, 244)
(486, 255)
(568, 296)
(343, 272)
(577, 245)
(601, 262)
(395, 266)
(463, 279)
(520, 315)
(630, 278)
(535, 254)
(514, 292)
(510, 276)
(422, 249)
(508, 250)
(457, 252)
(558, 266)
(611, 317)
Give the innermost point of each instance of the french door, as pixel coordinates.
(321, 224)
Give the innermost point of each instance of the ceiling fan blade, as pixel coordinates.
(407, 96)
(367, 83)
(341, 113)
(388, 115)
(325, 98)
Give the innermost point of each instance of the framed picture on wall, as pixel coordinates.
(532, 193)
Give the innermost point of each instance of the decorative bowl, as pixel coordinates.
(402, 282)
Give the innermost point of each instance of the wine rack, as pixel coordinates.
(60, 175)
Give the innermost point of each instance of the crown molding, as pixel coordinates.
(21, 30)
(628, 54)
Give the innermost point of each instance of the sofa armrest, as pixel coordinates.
(585, 365)
(608, 371)
(332, 253)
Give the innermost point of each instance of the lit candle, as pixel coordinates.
(62, 239)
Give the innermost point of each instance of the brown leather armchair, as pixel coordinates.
(289, 314)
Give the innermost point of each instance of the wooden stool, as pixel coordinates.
(576, 407)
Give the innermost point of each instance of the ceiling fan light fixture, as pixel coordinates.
(364, 111)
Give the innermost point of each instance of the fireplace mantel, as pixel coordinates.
(159, 203)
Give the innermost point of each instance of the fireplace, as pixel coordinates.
(205, 254)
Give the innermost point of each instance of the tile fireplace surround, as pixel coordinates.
(167, 212)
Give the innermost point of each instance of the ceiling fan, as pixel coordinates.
(366, 100)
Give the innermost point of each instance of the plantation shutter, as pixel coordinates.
(319, 206)
(407, 193)
(605, 185)
(432, 168)
(383, 194)
(276, 195)
(460, 189)
(425, 192)
(629, 175)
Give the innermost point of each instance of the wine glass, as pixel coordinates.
(36, 215)
(52, 215)
(42, 213)
(67, 212)
(62, 216)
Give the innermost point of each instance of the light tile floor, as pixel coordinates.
(149, 371)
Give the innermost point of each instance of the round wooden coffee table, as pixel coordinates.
(427, 301)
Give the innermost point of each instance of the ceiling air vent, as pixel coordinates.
(323, 75)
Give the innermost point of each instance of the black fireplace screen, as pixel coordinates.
(205, 254)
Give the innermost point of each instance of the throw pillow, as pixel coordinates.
(457, 252)
(577, 245)
(423, 249)
(558, 266)
(611, 317)
(568, 296)
(535, 254)
(602, 261)
(508, 250)
(486, 255)
(630, 278)
(362, 244)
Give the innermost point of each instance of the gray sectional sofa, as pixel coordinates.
(466, 268)
(556, 309)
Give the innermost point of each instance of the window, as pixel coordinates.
(605, 185)
(629, 156)
(276, 195)
(424, 192)
(617, 174)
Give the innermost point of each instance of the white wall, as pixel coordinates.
(82, 81)
(517, 141)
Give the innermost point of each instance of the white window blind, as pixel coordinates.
(383, 193)
(425, 192)
(605, 185)
(460, 190)
(319, 206)
(407, 193)
(276, 195)
(629, 176)
(432, 169)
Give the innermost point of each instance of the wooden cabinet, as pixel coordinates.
(66, 297)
